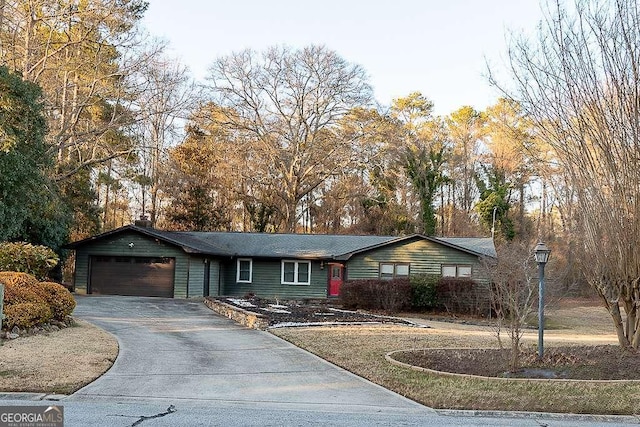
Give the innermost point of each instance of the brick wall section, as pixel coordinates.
(244, 317)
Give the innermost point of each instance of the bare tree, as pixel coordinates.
(514, 293)
(466, 128)
(285, 106)
(168, 97)
(84, 55)
(580, 82)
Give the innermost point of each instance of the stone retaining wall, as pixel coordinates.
(244, 317)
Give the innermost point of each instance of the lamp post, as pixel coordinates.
(542, 253)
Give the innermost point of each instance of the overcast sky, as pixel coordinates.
(436, 47)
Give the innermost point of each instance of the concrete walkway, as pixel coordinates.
(179, 351)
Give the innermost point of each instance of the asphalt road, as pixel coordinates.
(182, 365)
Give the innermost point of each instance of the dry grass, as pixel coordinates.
(361, 349)
(56, 362)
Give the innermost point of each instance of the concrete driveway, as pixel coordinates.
(180, 351)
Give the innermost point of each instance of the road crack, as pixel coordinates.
(170, 410)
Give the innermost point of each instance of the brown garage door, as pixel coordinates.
(137, 276)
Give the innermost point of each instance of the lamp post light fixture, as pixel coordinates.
(542, 253)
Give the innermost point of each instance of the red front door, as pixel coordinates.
(336, 272)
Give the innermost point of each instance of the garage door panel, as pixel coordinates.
(135, 276)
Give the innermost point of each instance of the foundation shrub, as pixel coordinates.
(376, 294)
(423, 291)
(461, 295)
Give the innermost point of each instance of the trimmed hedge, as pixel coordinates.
(26, 314)
(376, 294)
(17, 278)
(462, 295)
(420, 292)
(59, 299)
(28, 302)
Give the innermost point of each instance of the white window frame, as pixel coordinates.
(296, 264)
(457, 268)
(238, 280)
(402, 264)
(387, 264)
(395, 269)
(470, 269)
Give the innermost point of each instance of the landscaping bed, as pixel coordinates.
(305, 313)
(362, 349)
(603, 362)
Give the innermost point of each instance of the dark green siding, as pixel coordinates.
(424, 257)
(214, 278)
(266, 281)
(196, 277)
(143, 246)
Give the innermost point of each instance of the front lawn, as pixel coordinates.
(362, 349)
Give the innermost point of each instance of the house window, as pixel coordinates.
(456, 271)
(296, 272)
(390, 270)
(244, 270)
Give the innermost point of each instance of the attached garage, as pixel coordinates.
(134, 276)
(138, 261)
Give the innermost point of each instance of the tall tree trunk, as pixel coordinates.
(614, 310)
(106, 195)
(28, 33)
(2, 3)
(521, 191)
(465, 179)
(442, 218)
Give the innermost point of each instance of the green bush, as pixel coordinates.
(27, 258)
(423, 291)
(26, 314)
(59, 299)
(376, 294)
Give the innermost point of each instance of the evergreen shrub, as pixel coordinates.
(27, 258)
(376, 294)
(28, 302)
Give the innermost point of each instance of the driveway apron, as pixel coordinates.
(177, 350)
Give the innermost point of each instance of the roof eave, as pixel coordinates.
(460, 248)
(142, 230)
(347, 255)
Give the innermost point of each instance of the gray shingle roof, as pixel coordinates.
(310, 246)
(266, 245)
(480, 245)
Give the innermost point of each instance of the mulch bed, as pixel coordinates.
(604, 362)
(292, 313)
